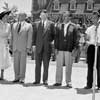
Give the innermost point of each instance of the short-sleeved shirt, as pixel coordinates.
(98, 34)
(91, 34)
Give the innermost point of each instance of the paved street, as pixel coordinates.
(9, 91)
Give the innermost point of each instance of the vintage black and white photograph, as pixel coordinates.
(49, 49)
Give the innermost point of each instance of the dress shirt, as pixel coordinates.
(91, 34)
(98, 34)
(44, 23)
(65, 28)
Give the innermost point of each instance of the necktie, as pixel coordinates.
(19, 27)
(43, 24)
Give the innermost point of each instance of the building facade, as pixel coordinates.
(79, 8)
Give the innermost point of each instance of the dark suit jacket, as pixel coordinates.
(42, 37)
(68, 42)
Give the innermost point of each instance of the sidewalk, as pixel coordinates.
(9, 91)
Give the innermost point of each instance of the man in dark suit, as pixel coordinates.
(42, 38)
(65, 43)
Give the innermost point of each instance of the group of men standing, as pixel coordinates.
(39, 38)
(65, 40)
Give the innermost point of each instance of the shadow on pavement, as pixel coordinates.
(56, 87)
(85, 91)
(30, 85)
(6, 82)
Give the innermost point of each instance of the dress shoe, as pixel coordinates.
(36, 83)
(98, 88)
(22, 81)
(57, 84)
(45, 83)
(69, 85)
(87, 87)
(1, 79)
(15, 81)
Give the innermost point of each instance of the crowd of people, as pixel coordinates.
(26, 38)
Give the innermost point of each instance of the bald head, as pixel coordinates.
(22, 16)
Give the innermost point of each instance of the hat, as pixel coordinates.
(2, 14)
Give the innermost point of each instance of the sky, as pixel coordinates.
(23, 5)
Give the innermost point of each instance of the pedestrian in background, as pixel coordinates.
(5, 31)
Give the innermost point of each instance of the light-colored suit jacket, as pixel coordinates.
(22, 40)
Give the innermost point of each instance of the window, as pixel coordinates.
(73, 5)
(64, 7)
(56, 5)
(90, 5)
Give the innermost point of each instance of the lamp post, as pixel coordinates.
(95, 63)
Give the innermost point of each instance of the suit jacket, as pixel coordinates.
(22, 40)
(42, 37)
(68, 42)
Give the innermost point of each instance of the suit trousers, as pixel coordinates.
(20, 64)
(45, 58)
(64, 57)
(90, 62)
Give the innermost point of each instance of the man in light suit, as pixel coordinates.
(21, 42)
(42, 38)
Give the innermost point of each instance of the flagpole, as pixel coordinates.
(95, 64)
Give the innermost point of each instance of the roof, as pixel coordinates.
(78, 1)
(81, 1)
(96, 1)
(64, 1)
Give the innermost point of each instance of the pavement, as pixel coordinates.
(28, 91)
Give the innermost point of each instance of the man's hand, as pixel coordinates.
(28, 50)
(56, 51)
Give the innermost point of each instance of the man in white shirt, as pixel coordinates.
(91, 33)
